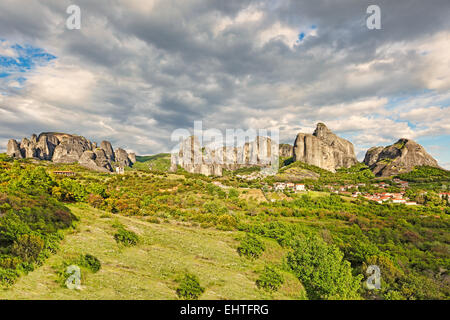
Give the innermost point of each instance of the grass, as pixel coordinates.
(149, 270)
(159, 162)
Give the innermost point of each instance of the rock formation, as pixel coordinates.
(122, 158)
(324, 149)
(13, 149)
(261, 152)
(106, 145)
(398, 158)
(68, 148)
(286, 150)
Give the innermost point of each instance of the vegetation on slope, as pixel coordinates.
(411, 245)
(159, 162)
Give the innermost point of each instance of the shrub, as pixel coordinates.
(95, 200)
(270, 279)
(251, 247)
(227, 222)
(8, 276)
(233, 193)
(189, 288)
(215, 207)
(126, 237)
(27, 247)
(90, 262)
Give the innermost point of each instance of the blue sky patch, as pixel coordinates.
(25, 59)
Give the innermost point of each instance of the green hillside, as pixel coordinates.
(138, 235)
(158, 162)
(151, 269)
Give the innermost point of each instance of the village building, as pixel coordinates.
(64, 173)
(279, 186)
(120, 170)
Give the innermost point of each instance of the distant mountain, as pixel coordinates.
(401, 157)
(69, 148)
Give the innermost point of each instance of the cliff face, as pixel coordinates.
(324, 149)
(68, 148)
(286, 150)
(400, 157)
(192, 157)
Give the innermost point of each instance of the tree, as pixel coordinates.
(322, 270)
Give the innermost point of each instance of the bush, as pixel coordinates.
(90, 262)
(126, 237)
(8, 276)
(95, 200)
(215, 207)
(189, 288)
(270, 279)
(27, 247)
(251, 247)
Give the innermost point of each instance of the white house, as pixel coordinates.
(120, 170)
(279, 186)
(300, 187)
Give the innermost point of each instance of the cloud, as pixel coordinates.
(137, 70)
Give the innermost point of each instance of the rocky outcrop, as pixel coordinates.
(132, 157)
(95, 160)
(372, 154)
(324, 149)
(122, 158)
(286, 150)
(398, 158)
(106, 145)
(261, 152)
(13, 149)
(68, 148)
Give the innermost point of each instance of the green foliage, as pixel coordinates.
(233, 193)
(251, 247)
(126, 237)
(71, 190)
(323, 271)
(157, 163)
(215, 207)
(426, 174)
(27, 247)
(190, 288)
(270, 279)
(90, 262)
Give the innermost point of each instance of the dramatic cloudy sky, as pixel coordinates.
(138, 69)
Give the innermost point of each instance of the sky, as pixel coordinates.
(137, 70)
